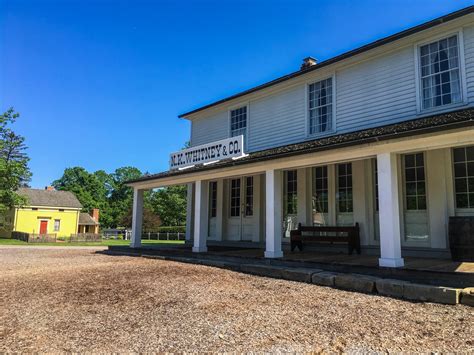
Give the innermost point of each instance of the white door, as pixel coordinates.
(344, 195)
(242, 222)
(212, 210)
(414, 204)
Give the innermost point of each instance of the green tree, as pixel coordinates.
(90, 190)
(121, 197)
(151, 221)
(14, 171)
(170, 204)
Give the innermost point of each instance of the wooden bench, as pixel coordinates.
(331, 234)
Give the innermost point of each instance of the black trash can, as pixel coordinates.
(461, 238)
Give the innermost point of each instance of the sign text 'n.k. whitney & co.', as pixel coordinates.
(207, 153)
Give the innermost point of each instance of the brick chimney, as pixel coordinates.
(95, 214)
(308, 62)
(49, 188)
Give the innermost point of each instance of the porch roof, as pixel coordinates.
(439, 122)
(86, 219)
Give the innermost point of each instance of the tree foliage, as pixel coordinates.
(114, 198)
(14, 171)
(170, 204)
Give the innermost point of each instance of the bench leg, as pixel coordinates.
(300, 245)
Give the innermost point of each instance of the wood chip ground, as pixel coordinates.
(76, 300)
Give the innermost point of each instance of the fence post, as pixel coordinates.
(167, 235)
(149, 235)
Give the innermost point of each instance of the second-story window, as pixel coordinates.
(320, 106)
(238, 122)
(440, 74)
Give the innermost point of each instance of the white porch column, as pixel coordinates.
(200, 216)
(137, 219)
(389, 212)
(189, 212)
(273, 210)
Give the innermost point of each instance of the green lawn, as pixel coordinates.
(4, 241)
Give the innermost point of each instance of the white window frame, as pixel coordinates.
(462, 210)
(462, 73)
(306, 107)
(229, 121)
(59, 225)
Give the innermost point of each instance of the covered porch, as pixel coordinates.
(400, 187)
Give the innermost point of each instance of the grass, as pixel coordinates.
(8, 241)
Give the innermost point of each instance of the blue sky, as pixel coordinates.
(100, 84)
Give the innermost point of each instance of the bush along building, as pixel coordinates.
(50, 213)
(381, 136)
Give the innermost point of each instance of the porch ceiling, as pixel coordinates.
(455, 128)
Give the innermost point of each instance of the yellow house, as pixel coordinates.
(47, 212)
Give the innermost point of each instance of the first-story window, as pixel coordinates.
(440, 73)
(235, 198)
(344, 188)
(249, 196)
(415, 185)
(213, 199)
(291, 191)
(238, 122)
(320, 200)
(57, 225)
(463, 159)
(320, 106)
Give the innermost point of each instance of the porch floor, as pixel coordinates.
(442, 272)
(413, 263)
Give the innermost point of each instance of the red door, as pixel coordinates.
(44, 227)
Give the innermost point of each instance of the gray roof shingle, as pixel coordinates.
(86, 219)
(54, 198)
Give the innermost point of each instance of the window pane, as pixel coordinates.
(249, 196)
(461, 185)
(415, 189)
(440, 84)
(238, 122)
(462, 201)
(409, 161)
(344, 188)
(235, 198)
(460, 169)
(464, 176)
(410, 174)
(320, 106)
(290, 192)
(470, 153)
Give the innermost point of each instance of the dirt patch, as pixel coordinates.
(77, 300)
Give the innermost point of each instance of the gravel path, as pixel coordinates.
(77, 300)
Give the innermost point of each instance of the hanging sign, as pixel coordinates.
(207, 153)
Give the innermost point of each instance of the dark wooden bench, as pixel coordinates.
(331, 234)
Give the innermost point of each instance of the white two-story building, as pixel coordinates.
(382, 135)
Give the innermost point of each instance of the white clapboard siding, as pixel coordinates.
(469, 60)
(376, 92)
(371, 93)
(210, 129)
(277, 120)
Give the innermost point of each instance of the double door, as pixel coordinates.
(242, 221)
